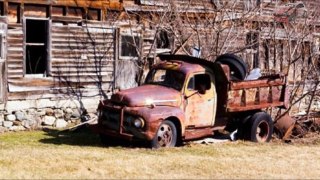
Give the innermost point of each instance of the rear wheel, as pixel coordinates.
(166, 135)
(238, 68)
(259, 128)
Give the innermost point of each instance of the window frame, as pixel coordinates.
(121, 57)
(47, 44)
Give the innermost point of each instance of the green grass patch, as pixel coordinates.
(68, 155)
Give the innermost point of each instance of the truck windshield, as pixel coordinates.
(165, 77)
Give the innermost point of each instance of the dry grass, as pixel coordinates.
(55, 155)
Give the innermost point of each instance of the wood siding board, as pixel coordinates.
(15, 52)
(2, 81)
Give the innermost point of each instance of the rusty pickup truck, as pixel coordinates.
(185, 98)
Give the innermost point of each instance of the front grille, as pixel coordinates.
(111, 119)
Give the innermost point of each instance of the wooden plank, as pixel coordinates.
(53, 93)
(15, 52)
(70, 61)
(31, 81)
(91, 79)
(80, 74)
(62, 34)
(75, 69)
(79, 54)
(2, 81)
(66, 19)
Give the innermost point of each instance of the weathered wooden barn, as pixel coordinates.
(57, 53)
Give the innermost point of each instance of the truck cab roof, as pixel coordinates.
(188, 64)
(179, 65)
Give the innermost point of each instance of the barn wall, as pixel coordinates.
(83, 54)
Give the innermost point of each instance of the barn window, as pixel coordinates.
(94, 14)
(76, 12)
(164, 41)
(58, 11)
(36, 38)
(252, 43)
(14, 14)
(129, 46)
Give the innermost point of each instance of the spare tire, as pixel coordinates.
(238, 68)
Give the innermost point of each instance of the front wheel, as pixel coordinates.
(260, 127)
(166, 135)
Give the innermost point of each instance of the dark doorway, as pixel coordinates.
(36, 46)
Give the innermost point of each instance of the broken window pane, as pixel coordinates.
(129, 46)
(57, 11)
(13, 13)
(94, 14)
(164, 40)
(75, 12)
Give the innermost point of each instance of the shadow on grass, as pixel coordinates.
(83, 136)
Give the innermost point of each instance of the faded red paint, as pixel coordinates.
(139, 96)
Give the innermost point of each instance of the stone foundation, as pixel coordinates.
(31, 119)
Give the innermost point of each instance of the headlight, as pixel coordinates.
(138, 123)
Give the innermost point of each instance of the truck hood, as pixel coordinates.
(147, 95)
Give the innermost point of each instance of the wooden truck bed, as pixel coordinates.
(267, 91)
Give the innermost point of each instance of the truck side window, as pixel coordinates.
(191, 84)
(199, 82)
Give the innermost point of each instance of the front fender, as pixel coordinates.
(154, 117)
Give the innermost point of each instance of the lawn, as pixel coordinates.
(52, 154)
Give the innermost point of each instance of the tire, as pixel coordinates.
(238, 68)
(259, 128)
(166, 135)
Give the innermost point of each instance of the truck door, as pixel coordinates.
(200, 100)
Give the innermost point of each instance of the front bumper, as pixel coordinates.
(116, 124)
(101, 130)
